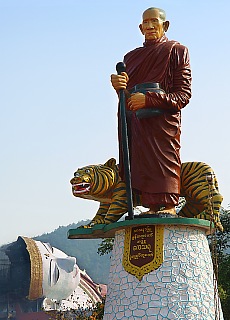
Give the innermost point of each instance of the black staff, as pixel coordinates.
(120, 67)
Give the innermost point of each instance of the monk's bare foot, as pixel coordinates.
(152, 210)
(147, 212)
(169, 210)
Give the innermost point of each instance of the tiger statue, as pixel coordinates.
(102, 183)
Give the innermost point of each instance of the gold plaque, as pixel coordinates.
(143, 249)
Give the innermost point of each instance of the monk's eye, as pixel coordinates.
(87, 171)
(76, 174)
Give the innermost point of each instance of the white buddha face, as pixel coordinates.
(61, 274)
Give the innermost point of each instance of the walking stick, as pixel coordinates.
(120, 67)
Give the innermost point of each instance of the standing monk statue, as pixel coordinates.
(154, 137)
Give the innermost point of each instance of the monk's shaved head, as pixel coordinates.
(162, 13)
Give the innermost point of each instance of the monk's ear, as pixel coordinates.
(166, 25)
(141, 28)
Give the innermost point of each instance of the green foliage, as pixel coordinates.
(95, 312)
(223, 262)
(224, 285)
(106, 246)
(219, 242)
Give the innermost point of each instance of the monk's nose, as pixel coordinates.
(150, 25)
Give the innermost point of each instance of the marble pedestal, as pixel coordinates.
(181, 288)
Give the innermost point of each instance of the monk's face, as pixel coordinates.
(152, 26)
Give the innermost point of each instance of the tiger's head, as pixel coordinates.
(95, 180)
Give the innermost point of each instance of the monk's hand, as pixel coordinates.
(119, 81)
(136, 101)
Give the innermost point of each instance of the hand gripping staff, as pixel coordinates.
(120, 67)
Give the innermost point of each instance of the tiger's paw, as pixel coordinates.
(112, 219)
(91, 224)
(87, 226)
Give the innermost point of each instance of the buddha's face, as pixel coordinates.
(152, 26)
(61, 275)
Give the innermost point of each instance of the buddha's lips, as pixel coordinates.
(81, 187)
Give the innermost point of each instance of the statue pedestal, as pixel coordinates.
(180, 288)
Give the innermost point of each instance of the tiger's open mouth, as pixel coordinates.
(81, 187)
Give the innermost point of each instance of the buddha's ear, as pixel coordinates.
(166, 25)
(141, 28)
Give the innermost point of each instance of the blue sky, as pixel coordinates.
(58, 109)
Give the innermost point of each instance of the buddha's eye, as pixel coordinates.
(48, 247)
(53, 273)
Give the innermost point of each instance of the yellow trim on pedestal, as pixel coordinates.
(143, 249)
(36, 269)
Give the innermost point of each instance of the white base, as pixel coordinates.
(181, 288)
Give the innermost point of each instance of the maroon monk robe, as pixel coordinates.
(155, 142)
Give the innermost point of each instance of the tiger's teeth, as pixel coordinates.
(81, 191)
(80, 184)
(82, 187)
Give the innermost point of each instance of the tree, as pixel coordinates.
(219, 246)
(95, 312)
(106, 246)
